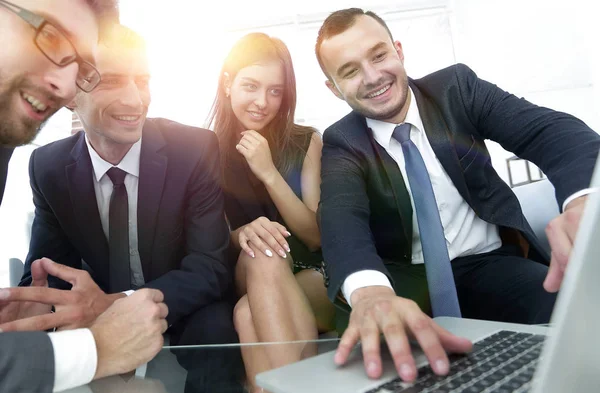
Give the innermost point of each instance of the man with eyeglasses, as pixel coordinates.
(47, 53)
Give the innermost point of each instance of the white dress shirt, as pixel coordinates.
(465, 232)
(103, 188)
(75, 358)
(75, 353)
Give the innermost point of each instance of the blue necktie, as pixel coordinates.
(442, 290)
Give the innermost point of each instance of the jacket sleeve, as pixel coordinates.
(48, 239)
(562, 146)
(26, 362)
(343, 214)
(204, 274)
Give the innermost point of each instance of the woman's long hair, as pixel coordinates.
(287, 140)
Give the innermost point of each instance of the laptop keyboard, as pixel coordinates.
(501, 363)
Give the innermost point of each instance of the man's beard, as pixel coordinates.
(14, 130)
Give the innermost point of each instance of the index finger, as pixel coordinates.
(44, 295)
(38, 323)
(63, 272)
(347, 343)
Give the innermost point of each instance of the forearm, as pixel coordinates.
(298, 217)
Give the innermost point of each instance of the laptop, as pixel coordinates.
(506, 357)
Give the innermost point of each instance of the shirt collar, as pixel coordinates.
(130, 163)
(382, 131)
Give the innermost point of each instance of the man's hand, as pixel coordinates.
(378, 310)
(76, 308)
(14, 310)
(129, 333)
(561, 233)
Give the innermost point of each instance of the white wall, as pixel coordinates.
(545, 51)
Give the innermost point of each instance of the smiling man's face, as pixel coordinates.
(366, 69)
(32, 88)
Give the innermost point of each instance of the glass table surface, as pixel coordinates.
(200, 369)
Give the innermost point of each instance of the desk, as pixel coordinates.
(198, 369)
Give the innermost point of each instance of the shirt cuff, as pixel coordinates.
(75, 358)
(579, 194)
(361, 279)
(129, 292)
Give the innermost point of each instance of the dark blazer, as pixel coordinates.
(182, 232)
(365, 214)
(5, 154)
(26, 362)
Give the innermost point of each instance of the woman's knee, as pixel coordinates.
(242, 316)
(264, 267)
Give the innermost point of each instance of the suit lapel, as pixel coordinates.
(85, 209)
(153, 169)
(441, 141)
(390, 167)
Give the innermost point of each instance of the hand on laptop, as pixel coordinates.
(561, 233)
(378, 310)
(129, 333)
(75, 308)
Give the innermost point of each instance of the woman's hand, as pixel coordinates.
(255, 149)
(261, 231)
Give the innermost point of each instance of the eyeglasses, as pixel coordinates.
(54, 44)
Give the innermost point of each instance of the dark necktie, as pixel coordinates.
(440, 280)
(118, 233)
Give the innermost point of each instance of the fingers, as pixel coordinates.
(254, 234)
(243, 239)
(247, 143)
(399, 347)
(560, 243)
(41, 322)
(253, 136)
(164, 310)
(44, 295)
(450, 342)
(421, 327)
(282, 229)
(153, 294)
(244, 151)
(347, 343)
(369, 336)
(276, 239)
(554, 277)
(163, 326)
(63, 272)
(39, 276)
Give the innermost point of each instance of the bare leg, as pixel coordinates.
(312, 284)
(255, 358)
(279, 308)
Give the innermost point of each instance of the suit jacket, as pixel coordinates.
(26, 362)
(365, 214)
(5, 154)
(182, 233)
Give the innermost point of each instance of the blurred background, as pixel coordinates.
(543, 50)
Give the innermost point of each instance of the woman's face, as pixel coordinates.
(256, 94)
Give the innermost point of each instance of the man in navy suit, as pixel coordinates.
(415, 222)
(37, 79)
(136, 202)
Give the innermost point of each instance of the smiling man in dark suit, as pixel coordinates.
(136, 201)
(415, 222)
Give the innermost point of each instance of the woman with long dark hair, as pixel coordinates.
(271, 180)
